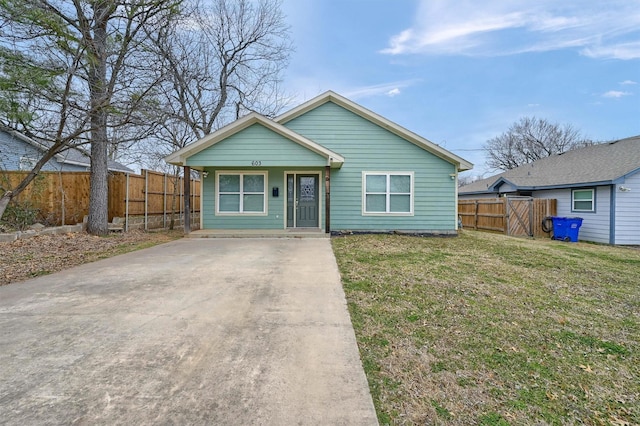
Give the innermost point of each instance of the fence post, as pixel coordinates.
(146, 199)
(126, 205)
(164, 203)
(187, 199)
(475, 214)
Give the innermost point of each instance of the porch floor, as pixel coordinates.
(259, 233)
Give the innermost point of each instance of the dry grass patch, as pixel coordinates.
(45, 254)
(491, 330)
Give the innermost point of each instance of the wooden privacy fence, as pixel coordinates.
(63, 197)
(515, 216)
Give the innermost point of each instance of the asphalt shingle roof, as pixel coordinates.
(602, 163)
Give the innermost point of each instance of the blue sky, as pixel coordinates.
(461, 72)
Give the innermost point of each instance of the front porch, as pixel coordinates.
(259, 233)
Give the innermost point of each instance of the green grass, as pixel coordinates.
(492, 330)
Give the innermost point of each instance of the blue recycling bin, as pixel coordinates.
(566, 228)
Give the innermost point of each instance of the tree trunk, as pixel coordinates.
(4, 202)
(98, 220)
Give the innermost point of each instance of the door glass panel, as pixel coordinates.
(376, 203)
(253, 183)
(253, 203)
(400, 203)
(400, 183)
(307, 188)
(229, 203)
(229, 183)
(376, 183)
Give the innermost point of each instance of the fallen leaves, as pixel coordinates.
(45, 254)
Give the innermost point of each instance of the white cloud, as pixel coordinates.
(627, 82)
(389, 89)
(615, 94)
(462, 27)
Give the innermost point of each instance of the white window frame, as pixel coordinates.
(593, 200)
(241, 193)
(27, 163)
(387, 193)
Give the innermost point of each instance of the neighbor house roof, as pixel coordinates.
(601, 164)
(349, 105)
(72, 155)
(179, 157)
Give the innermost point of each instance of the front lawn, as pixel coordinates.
(492, 330)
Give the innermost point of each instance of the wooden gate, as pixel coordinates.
(516, 216)
(520, 216)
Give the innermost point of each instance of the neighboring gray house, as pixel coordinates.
(599, 183)
(20, 153)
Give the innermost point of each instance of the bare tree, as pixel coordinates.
(530, 139)
(89, 74)
(223, 60)
(220, 59)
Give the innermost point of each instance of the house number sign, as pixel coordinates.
(256, 163)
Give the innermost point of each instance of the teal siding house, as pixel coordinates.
(326, 165)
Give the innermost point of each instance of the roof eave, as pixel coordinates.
(179, 158)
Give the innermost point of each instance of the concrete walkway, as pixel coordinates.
(197, 331)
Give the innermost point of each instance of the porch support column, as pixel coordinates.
(187, 199)
(327, 199)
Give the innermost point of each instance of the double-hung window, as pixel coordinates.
(388, 193)
(241, 193)
(583, 200)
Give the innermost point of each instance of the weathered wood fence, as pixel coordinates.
(63, 197)
(515, 216)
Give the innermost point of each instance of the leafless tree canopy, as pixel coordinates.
(530, 139)
(220, 60)
(135, 76)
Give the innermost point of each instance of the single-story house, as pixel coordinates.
(21, 153)
(329, 165)
(599, 183)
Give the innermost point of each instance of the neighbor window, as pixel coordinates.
(582, 200)
(241, 193)
(387, 193)
(27, 163)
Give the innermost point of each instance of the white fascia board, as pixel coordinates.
(179, 157)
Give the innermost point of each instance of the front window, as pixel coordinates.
(388, 193)
(241, 193)
(582, 200)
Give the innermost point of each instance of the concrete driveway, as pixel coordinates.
(197, 331)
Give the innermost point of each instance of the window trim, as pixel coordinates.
(388, 175)
(593, 200)
(26, 163)
(242, 173)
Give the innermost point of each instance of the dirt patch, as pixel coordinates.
(45, 254)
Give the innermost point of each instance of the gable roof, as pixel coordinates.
(371, 116)
(72, 155)
(179, 157)
(601, 164)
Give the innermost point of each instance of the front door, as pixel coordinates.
(302, 201)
